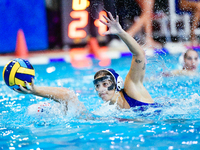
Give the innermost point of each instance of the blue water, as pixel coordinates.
(175, 125)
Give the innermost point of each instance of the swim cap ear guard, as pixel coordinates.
(119, 84)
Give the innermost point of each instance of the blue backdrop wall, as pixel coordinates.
(28, 15)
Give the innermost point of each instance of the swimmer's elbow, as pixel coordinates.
(69, 94)
(142, 52)
(64, 95)
(139, 53)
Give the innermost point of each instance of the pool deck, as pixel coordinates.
(114, 50)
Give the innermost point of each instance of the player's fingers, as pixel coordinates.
(27, 85)
(32, 81)
(111, 17)
(104, 22)
(106, 18)
(117, 18)
(23, 89)
(106, 33)
(17, 90)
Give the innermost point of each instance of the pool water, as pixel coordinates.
(175, 125)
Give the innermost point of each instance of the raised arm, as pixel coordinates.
(137, 70)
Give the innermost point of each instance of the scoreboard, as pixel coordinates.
(79, 22)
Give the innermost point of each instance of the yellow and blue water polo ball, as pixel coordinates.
(17, 71)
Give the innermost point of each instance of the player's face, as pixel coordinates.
(191, 60)
(102, 85)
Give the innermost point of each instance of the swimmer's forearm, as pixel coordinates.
(133, 46)
(56, 93)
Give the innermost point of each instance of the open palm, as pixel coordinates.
(112, 24)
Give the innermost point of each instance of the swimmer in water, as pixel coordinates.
(191, 61)
(108, 84)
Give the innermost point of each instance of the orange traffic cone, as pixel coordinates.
(21, 50)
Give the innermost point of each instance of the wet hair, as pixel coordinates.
(104, 73)
(185, 55)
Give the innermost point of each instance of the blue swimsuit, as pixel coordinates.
(142, 106)
(133, 102)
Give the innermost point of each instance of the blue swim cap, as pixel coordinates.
(119, 84)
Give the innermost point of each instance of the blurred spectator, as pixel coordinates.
(194, 7)
(145, 20)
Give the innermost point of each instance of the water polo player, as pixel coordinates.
(190, 62)
(107, 82)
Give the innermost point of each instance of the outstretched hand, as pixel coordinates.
(30, 89)
(112, 24)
